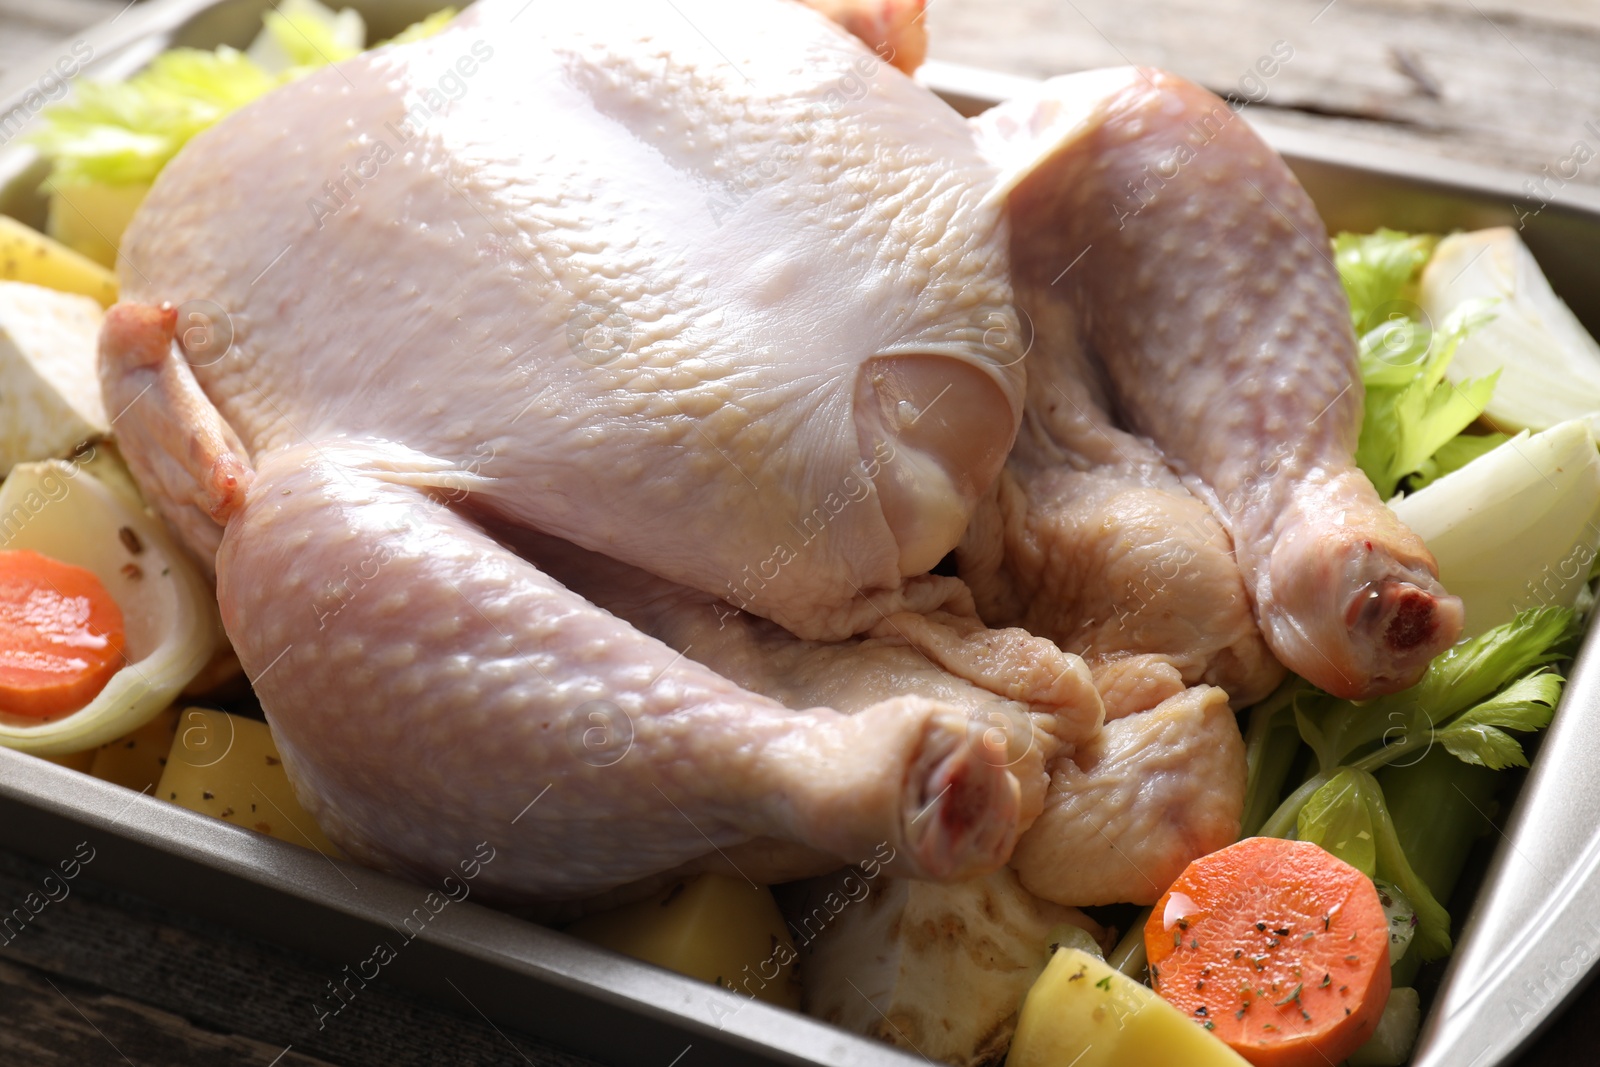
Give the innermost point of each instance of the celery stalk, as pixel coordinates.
(1272, 743)
(1129, 956)
(1439, 806)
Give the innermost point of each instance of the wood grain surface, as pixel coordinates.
(108, 978)
(105, 977)
(1489, 81)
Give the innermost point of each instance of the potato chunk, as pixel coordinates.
(712, 927)
(26, 255)
(90, 219)
(228, 767)
(137, 760)
(1084, 1013)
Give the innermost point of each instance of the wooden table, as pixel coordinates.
(107, 978)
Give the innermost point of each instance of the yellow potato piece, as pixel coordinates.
(89, 219)
(138, 759)
(228, 767)
(1083, 1013)
(718, 929)
(26, 255)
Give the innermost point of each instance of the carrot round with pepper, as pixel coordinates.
(61, 635)
(1277, 947)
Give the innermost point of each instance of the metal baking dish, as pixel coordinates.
(1526, 947)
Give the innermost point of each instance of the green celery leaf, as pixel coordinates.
(419, 30)
(1391, 351)
(1469, 673)
(215, 83)
(1378, 445)
(1411, 410)
(305, 33)
(1483, 745)
(1337, 730)
(1462, 320)
(1432, 938)
(1427, 416)
(1349, 817)
(1495, 679)
(1455, 454)
(123, 133)
(1478, 735)
(1377, 270)
(1526, 705)
(1337, 818)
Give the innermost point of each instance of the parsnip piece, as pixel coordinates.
(49, 390)
(712, 927)
(938, 970)
(137, 760)
(228, 767)
(1390, 1044)
(26, 255)
(1083, 1013)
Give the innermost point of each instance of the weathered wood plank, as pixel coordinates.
(172, 983)
(1501, 81)
(55, 1020)
(1498, 82)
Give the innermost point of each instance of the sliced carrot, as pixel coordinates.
(1277, 947)
(61, 635)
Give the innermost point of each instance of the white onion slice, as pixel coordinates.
(64, 512)
(1517, 527)
(1549, 364)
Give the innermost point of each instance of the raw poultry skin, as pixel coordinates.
(1126, 812)
(713, 293)
(433, 335)
(708, 289)
(1200, 276)
(1091, 540)
(1020, 689)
